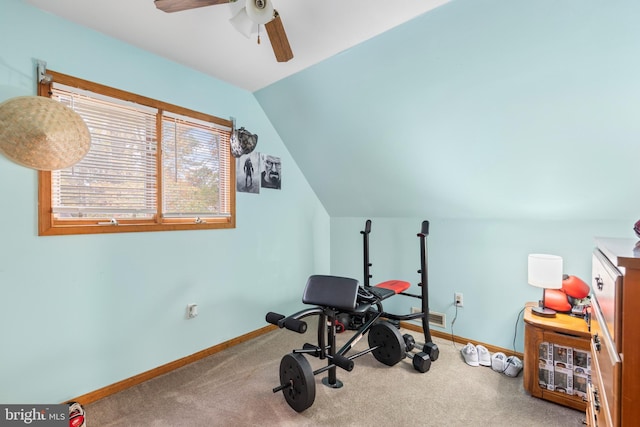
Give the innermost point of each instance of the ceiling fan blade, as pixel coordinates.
(178, 5)
(278, 39)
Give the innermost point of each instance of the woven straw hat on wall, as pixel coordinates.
(40, 133)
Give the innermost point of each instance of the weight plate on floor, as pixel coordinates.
(295, 370)
(391, 347)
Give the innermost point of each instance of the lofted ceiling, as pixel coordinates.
(205, 40)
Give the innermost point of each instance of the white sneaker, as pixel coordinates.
(470, 354)
(513, 366)
(498, 361)
(484, 357)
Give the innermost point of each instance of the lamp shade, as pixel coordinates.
(260, 11)
(545, 271)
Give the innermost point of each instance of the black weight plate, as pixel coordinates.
(295, 370)
(391, 347)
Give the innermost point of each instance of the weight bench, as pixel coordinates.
(333, 296)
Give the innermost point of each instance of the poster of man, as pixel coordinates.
(247, 168)
(270, 176)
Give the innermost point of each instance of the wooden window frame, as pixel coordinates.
(48, 225)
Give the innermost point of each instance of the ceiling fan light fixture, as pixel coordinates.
(260, 11)
(243, 24)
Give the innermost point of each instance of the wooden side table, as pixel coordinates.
(557, 358)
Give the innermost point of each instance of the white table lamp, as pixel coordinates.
(545, 271)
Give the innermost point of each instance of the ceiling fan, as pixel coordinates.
(256, 12)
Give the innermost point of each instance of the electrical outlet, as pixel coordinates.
(192, 311)
(415, 310)
(458, 299)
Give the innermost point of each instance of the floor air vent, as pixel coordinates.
(437, 319)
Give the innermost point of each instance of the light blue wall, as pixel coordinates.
(512, 125)
(486, 260)
(478, 109)
(78, 313)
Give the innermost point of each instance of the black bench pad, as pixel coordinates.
(331, 291)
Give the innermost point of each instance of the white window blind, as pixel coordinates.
(195, 163)
(117, 178)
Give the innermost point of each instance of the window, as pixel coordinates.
(152, 166)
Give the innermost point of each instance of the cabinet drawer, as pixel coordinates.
(606, 366)
(598, 399)
(567, 340)
(606, 287)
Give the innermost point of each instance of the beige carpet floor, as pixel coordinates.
(233, 388)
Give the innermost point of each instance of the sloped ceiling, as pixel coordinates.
(493, 109)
